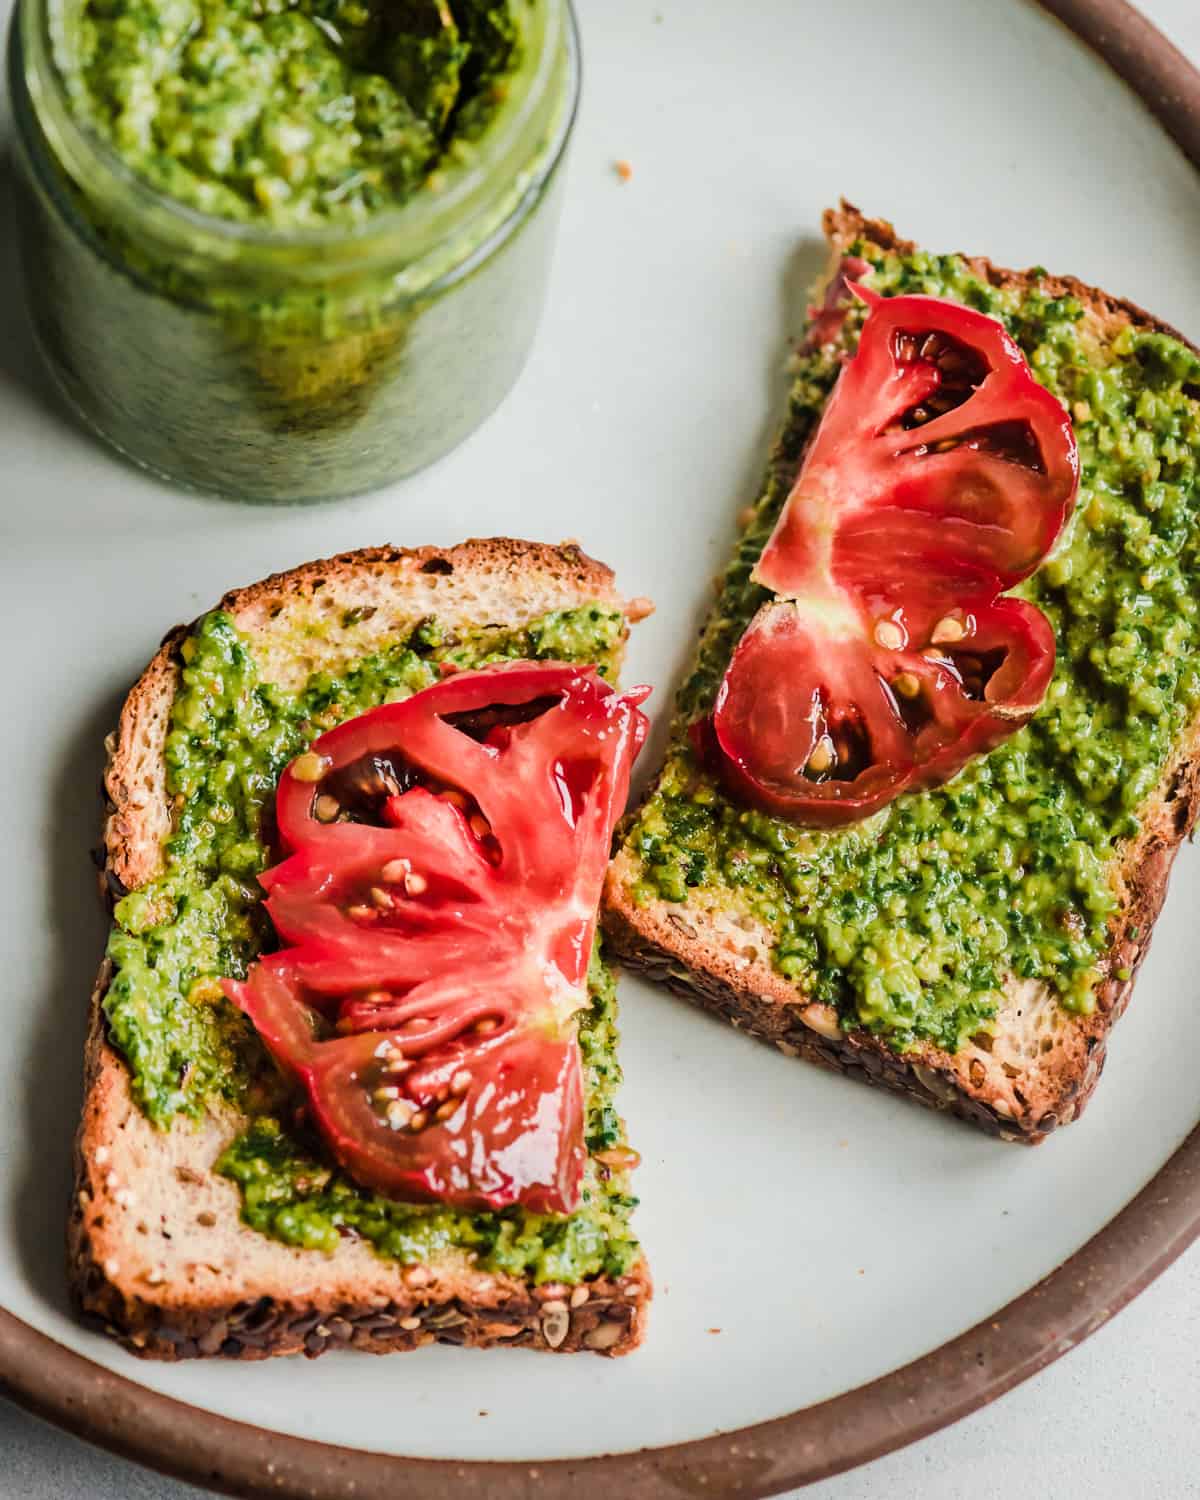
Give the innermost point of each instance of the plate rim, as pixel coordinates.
(115, 1412)
(768, 1458)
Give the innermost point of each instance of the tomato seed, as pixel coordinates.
(310, 766)
(400, 1113)
(890, 635)
(821, 758)
(948, 629)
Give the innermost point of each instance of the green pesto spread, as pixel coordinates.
(910, 922)
(231, 733)
(299, 113)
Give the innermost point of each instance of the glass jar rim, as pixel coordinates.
(467, 190)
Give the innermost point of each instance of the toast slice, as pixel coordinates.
(1030, 1062)
(161, 1254)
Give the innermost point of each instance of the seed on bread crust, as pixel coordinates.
(604, 1335)
(821, 1018)
(556, 1323)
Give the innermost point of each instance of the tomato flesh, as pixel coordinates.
(444, 858)
(941, 474)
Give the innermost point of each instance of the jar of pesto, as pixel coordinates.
(287, 250)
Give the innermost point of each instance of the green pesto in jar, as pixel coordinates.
(910, 922)
(295, 113)
(231, 733)
(288, 250)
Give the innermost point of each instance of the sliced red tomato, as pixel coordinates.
(940, 475)
(810, 712)
(937, 450)
(444, 863)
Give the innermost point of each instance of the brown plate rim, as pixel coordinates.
(961, 1376)
(767, 1459)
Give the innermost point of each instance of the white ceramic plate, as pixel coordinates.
(806, 1235)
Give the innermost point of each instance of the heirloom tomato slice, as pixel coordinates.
(940, 475)
(437, 906)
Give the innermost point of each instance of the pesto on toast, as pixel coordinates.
(971, 944)
(207, 1218)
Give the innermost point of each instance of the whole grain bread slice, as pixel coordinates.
(157, 1253)
(1038, 1068)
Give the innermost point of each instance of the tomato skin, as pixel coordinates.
(779, 700)
(940, 475)
(875, 503)
(516, 1135)
(768, 720)
(425, 1001)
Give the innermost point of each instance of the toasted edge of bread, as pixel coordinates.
(157, 1253)
(1039, 1068)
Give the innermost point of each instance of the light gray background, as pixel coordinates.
(1116, 1418)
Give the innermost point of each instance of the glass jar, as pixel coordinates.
(276, 365)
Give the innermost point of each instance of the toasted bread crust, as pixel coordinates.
(157, 1254)
(845, 224)
(1041, 1067)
